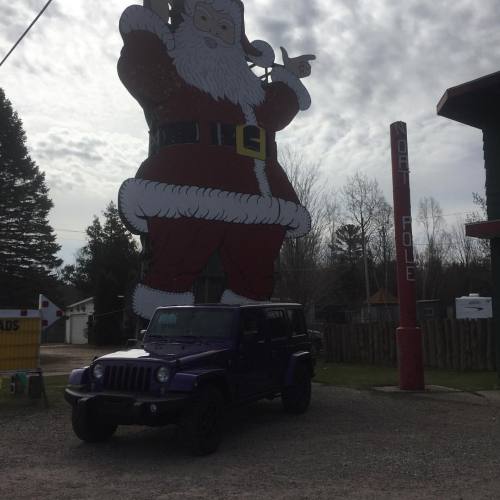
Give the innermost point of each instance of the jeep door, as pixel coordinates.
(252, 361)
(277, 330)
(299, 340)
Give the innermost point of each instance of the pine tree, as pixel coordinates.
(28, 245)
(106, 268)
(347, 251)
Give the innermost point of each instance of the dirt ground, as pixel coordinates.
(58, 359)
(351, 444)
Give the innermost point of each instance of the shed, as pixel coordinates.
(77, 321)
(383, 306)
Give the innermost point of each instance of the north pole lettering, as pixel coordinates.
(407, 239)
(403, 166)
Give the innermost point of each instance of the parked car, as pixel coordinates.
(193, 363)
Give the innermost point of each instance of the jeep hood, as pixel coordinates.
(165, 351)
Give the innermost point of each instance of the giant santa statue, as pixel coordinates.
(212, 181)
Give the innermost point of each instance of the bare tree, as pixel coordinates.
(437, 244)
(301, 257)
(364, 201)
(382, 245)
(466, 251)
(481, 214)
(333, 220)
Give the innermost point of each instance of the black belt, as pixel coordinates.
(249, 140)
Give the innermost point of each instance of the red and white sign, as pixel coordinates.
(49, 312)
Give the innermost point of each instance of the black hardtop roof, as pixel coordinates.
(234, 306)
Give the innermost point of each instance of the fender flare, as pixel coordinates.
(185, 381)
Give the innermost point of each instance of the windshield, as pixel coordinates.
(191, 323)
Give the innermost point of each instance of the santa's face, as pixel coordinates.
(218, 27)
(208, 53)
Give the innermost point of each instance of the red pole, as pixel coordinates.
(408, 335)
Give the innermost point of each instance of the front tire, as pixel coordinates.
(297, 397)
(201, 423)
(89, 428)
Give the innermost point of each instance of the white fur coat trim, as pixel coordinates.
(140, 199)
(280, 74)
(137, 18)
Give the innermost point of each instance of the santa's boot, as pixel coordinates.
(231, 298)
(146, 300)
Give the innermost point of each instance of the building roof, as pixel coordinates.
(81, 302)
(383, 297)
(475, 103)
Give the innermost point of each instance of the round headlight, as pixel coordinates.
(162, 374)
(98, 371)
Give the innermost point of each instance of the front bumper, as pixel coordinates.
(126, 408)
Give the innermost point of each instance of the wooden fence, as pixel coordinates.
(451, 344)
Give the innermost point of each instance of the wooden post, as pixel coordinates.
(409, 336)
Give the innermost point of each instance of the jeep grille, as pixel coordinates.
(127, 378)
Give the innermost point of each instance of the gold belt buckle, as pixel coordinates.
(251, 141)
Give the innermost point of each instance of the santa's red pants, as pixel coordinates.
(181, 249)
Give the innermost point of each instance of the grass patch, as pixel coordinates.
(54, 386)
(367, 376)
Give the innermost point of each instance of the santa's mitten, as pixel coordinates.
(138, 18)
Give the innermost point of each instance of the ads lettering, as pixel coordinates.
(9, 325)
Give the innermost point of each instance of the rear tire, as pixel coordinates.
(89, 428)
(297, 397)
(201, 422)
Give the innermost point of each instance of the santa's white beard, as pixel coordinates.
(222, 72)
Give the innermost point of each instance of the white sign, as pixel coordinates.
(473, 307)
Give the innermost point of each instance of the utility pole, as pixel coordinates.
(408, 335)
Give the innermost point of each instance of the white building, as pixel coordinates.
(77, 321)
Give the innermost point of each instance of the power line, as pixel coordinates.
(26, 32)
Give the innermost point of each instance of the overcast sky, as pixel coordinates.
(378, 61)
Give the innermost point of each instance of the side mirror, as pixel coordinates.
(141, 335)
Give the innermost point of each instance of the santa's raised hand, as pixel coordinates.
(299, 66)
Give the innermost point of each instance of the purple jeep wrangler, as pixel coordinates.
(193, 363)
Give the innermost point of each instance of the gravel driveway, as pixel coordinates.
(57, 359)
(351, 444)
